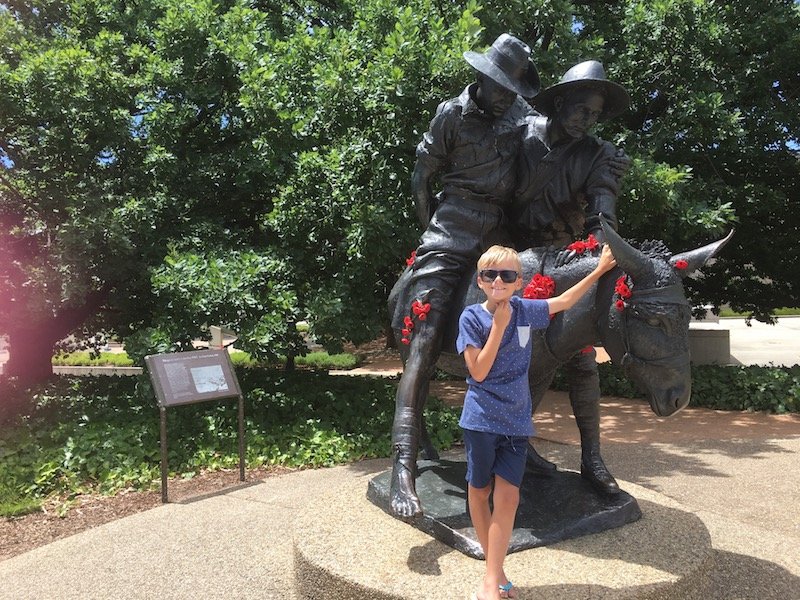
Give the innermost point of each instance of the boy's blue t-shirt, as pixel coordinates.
(501, 403)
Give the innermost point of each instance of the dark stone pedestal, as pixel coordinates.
(552, 508)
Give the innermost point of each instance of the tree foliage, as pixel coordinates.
(173, 165)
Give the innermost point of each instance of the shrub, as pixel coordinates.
(102, 434)
(72, 359)
(753, 388)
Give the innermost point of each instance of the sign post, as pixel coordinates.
(188, 378)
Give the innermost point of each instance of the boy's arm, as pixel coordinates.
(480, 360)
(572, 295)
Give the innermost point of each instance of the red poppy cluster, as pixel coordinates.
(623, 292)
(420, 311)
(681, 264)
(410, 260)
(539, 288)
(582, 246)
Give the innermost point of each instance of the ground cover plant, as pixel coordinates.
(721, 387)
(101, 434)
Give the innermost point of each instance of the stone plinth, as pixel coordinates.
(552, 508)
(709, 343)
(347, 548)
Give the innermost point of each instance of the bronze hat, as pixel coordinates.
(508, 63)
(586, 74)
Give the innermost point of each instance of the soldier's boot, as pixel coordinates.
(584, 395)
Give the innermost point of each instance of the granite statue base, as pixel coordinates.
(552, 508)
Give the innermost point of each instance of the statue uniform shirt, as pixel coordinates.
(501, 403)
(474, 153)
(563, 190)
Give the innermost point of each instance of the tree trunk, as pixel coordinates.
(30, 354)
(30, 346)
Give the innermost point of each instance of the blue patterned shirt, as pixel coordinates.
(501, 403)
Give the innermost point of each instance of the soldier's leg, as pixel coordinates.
(584, 395)
(409, 402)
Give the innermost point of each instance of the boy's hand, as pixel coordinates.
(502, 314)
(607, 260)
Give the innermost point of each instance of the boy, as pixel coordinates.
(494, 338)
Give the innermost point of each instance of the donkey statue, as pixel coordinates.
(638, 311)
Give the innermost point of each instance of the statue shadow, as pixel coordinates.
(731, 577)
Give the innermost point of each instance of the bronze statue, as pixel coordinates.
(471, 145)
(644, 325)
(567, 177)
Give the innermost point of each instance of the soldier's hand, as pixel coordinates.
(619, 164)
(564, 257)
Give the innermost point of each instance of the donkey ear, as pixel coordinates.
(687, 263)
(629, 259)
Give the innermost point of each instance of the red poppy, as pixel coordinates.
(406, 341)
(410, 260)
(579, 247)
(620, 305)
(408, 322)
(420, 309)
(681, 264)
(621, 287)
(406, 332)
(540, 287)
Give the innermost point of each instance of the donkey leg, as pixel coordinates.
(584, 395)
(409, 402)
(535, 461)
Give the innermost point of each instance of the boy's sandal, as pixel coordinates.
(506, 590)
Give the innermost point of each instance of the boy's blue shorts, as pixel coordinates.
(492, 454)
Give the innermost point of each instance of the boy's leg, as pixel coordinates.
(480, 514)
(506, 501)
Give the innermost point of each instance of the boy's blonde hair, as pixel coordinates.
(497, 254)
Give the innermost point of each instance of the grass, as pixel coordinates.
(313, 360)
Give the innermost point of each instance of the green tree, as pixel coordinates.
(172, 165)
(716, 121)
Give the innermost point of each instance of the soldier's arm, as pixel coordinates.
(432, 153)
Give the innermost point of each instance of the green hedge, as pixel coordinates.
(313, 360)
(752, 388)
(88, 359)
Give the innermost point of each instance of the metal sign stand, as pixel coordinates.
(188, 378)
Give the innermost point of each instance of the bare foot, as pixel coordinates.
(403, 495)
(487, 594)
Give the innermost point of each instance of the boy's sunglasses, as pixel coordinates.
(506, 275)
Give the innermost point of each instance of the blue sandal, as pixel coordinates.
(505, 590)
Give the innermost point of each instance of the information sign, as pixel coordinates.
(189, 377)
